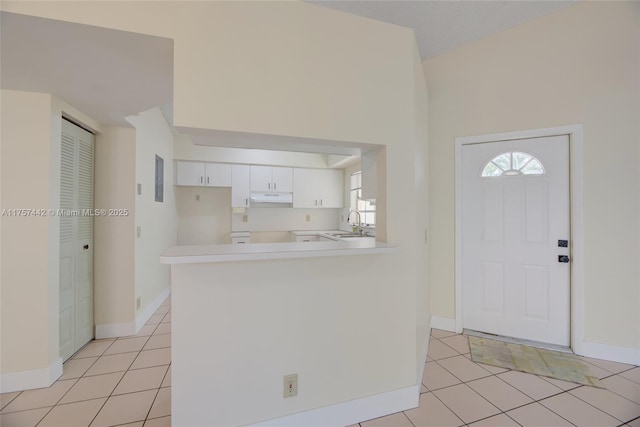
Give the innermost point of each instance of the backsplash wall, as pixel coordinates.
(210, 220)
(206, 221)
(285, 219)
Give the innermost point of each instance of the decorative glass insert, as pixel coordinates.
(513, 163)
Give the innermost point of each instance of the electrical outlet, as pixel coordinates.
(139, 231)
(308, 218)
(138, 303)
(197, 197)
(290, 385)
(245, 218)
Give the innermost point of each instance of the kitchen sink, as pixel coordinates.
(345, 235)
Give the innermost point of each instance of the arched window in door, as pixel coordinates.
(511, 164)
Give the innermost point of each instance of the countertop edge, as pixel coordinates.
(286, 253)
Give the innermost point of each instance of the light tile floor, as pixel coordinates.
(124, 382)
(127, 382)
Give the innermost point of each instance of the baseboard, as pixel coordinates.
(351, 412)
(444, 323)
(113, 330)
(142, 318)
(27, 380)
(355, 411)
(609, 352)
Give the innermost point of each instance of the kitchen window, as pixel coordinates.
(367, 208)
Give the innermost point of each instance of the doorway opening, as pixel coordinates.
(517, 234)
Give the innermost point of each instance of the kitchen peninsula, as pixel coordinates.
(253, 313)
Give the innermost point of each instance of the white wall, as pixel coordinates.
(422, 201)
(26, 291)
(206, 221)
(184, 149)
(114, 256)
(340, 323)
(31, 127)
(580, 65)
(355, 83)
(311, 85)
(157, 220)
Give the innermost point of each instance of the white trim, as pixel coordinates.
(610, 352)
(151, 308)
(27, 380)
(577, 237)
(353, 411)
(113, 330)
(443, 323)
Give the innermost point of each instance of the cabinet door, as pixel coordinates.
(303, 188)
(217, 175)
(189, 173)
(282, 180)
(330, 188)
(261, 178)
(240, 186)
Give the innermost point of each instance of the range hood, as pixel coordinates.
(272, 198)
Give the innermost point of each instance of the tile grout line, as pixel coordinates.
(407, 417)
(125, 373)
(546, 398)
(76, 380)
(496, 375)
(601, 410)
(452, 411)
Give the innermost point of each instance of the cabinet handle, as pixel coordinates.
(246, 202)
(274, 185)
(320, 202)
(316, 202)
(269, 185)
(207, 180)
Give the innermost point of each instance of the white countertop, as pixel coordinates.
(263, 251)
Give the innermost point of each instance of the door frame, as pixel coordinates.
(576, 184)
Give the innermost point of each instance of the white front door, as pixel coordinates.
(76, 239)
(515, 238)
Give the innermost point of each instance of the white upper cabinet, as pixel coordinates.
(189, 173)
(271, 179)
(318, 188)
(240, 186)
(217, 175)
(203, 174)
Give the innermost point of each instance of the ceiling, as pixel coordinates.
(104, 73)
(441, 26)
(111, 74)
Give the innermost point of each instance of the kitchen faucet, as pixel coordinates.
(359, 227)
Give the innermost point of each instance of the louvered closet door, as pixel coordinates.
(76, 239)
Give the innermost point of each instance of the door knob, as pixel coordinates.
(85, 247)
(563, 258)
